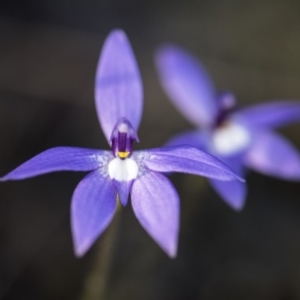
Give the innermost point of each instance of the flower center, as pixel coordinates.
(230, 138)
(122, 139)
(227, 104)
(123, 169)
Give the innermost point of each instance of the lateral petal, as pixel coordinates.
(271, 154)
(270, 115)
(93, 206)
(60, 159)
(187, 159)
(156, 205)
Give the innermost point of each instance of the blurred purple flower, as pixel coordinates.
(239, 137)
(119, 101)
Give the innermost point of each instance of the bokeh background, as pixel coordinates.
(48, 54)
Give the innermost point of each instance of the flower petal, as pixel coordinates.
(123, 172)
(93, 206)
(123, 189)
(271, 114)
(193, 138)
(156, 205)
(271, 154)
(60, 159)
(186, 159)
(188, 85)
(118, 87)
(233, 192)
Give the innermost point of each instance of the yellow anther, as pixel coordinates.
(123, 154)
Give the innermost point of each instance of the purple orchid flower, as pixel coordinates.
(240, 138)
(114, 174)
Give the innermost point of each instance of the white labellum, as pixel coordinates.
(123, 170)
(230, 139)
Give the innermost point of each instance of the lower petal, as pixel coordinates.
(123, 189)
(232, 192)
(156, 205)
(93, 206)
(271, 154)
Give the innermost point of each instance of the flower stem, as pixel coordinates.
(96, 281)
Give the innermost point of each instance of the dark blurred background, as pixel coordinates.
(48, 54)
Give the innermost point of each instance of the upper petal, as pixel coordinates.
(156, 205)
(118, 86)
(60, 159)
(233, 192)
(187, 83)
(187, 159)
(271, 154)
(193, 138)
(270, 114)
(93, 206)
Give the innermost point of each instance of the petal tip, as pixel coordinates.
(238, 207)
(3, 179)
(170, 248)
(170, 245)
(9, 177)
(164, 55)
(166, 50)
(80, 245)
(80, 250)
(117, 34)
(234, 175)
(237, 202)
(161, 50)
(240, 179)
(172, 253)
(123, 199)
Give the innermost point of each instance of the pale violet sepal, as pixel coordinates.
(270, 114)
(271, 154)
(187, 83)
(60, 159)
(118, 86)
(92, 209)
(233, 192)
(187, 159)
(155, 203)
